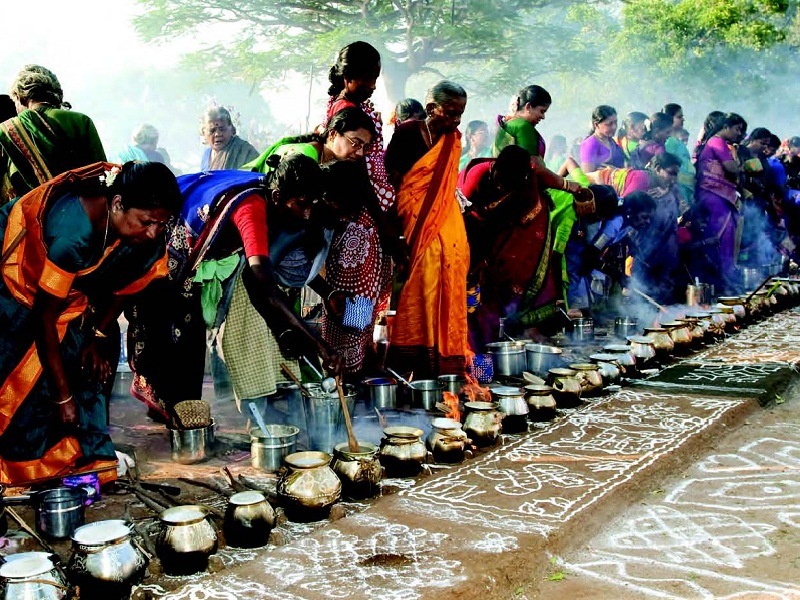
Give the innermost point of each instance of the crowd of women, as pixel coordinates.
(463, 240)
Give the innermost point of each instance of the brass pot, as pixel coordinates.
(308, 488)
(483, 423)
(589, 376)
(567, 388)
(731, 322)
(249, 518)
(541, 403)
(187, 540)
(402, 451)
(607, 365)
(624, 357)
(360, 472)
(511, 402)
(680, 335)
(718, 322)
(735, 302)
(644, 349)
(661, 341)
(695, 330)
(447, 441)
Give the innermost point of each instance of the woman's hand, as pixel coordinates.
(95, 367)
(335, 303)
(332, 361)
(67, 411)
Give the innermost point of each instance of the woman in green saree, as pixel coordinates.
(45, 138)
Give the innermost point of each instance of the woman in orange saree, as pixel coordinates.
(430, 331)
(71, 250)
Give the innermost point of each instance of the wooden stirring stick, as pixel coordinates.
(352, 442)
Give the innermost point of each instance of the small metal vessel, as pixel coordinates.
(187, 540)
(541, 403)
(511, 402)
(589, 376)
(360, 472)
(309, 487)
(105, 563)
(33, 576)
(402, 451)
(249, 518)
(483, 423)
(447, 441)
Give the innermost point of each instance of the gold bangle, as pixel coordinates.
(98, 333)
(68, 399)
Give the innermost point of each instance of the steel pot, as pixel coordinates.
(609, 370)
(309, 487)
(324, 418)
(511, 402)
(752, 277)
(483, 423)
(589, 376)
(267, 453)
(661, 341)
(541, 403)
(508, 358)
(453, 383)
(381, 391)
(186, 541)
(59, 511)
(625, 326)
(32, 576)
(447, 441)
(698, 295)
(581, 329)
(402, 451)
(190, 446)
(249, 518)
(624, 357)
(644, 349)
(541, 358)
(360, 472)
(105, 562)
(425, 393)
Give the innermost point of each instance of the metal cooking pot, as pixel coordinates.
(425, 393)
(589, 376)
(581, 329)
(59, 511)
(508, 358)
(483, 423)
(360, 472)
(453, 383)
(541, 403)
(402, 451)
(248, 520)
(510, 400)
(447, 441)
(381, 392)
(105, 563)
(267, 453)
(187, 540)
(540, 358)
(625, 326)
(608, 367)
(309, 487)
(32, 576)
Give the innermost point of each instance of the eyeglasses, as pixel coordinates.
(356, 143)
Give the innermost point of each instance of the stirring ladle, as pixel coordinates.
(259, 419)
(399, 377)
(328, 384)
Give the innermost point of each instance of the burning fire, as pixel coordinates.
(474, 392)
(451, 401)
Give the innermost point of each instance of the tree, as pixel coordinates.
(270, 38)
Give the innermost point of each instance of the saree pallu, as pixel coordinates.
(233, 156)
(430, 331)
(624, 181)
(42, 143)
(34, 445)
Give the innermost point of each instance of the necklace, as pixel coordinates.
(430, 137)
(105, 235)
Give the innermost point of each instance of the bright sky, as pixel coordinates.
(76, 39)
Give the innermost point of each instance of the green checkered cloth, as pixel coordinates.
(249, 349)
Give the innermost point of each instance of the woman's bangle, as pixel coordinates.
(328, 299)
(98, 334)
(64, 401)
(564, 184)
(283, 333)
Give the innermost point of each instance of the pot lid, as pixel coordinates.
(480, 405)
(603, 357)
(183, 515)
(506, 390)
(445, 423)
(617, 348)
(403, 431)
(26, 564)
(542, 349)
(246, 498)
(640, 339)
(101, 533)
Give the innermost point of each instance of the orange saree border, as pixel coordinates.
(58, 461)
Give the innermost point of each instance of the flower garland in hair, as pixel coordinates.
(110, 176)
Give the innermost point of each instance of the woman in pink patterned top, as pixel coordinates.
(353, 78)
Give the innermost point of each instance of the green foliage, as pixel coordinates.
(270, 38)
